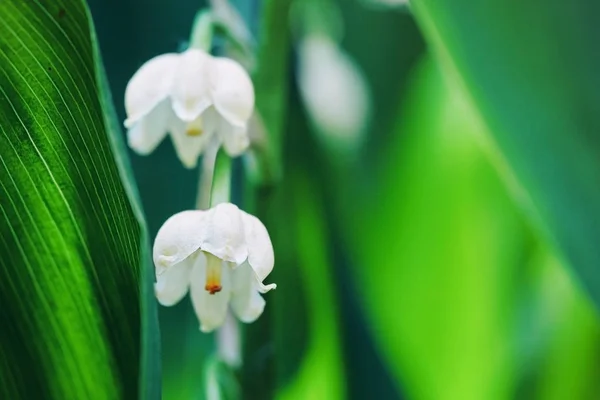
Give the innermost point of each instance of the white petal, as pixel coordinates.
(191, 92)
(235, 139)
(232, 91)
(188, 148)
(211, 120)
(179, 237)
(172, 283)
(246, 301)
(225, 234)
(260, 250)
(149, 86)
(211, 309)
(148, 132)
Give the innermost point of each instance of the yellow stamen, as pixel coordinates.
(194, 128)
(193, 131)
(213, 274)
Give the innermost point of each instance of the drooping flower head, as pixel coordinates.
(221, 255)
(197, 98)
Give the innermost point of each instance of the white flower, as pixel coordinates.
(199, 99)
(222, 255)
(334, 91)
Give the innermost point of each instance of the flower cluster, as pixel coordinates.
(221, 255)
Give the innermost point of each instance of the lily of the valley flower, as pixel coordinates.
(334, 91)
(221, 255)
(197, 98)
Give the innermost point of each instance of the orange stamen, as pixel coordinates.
(213, 274)
(194, 128)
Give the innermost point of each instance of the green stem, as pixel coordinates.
(202, 31)
(270, 81)
(206, 178)
(271, 86)
(221, 183)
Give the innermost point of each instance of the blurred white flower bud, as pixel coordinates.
(334, 92)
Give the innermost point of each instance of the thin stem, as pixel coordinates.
(221, 183)
(215, 188)
(202, 31)
(206, 177)
(229, 343)
(270, 81)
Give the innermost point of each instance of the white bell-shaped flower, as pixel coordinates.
(334, 91)
(197, 98)
(221, 255)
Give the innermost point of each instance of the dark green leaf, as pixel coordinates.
(71, 244)
(532, 69)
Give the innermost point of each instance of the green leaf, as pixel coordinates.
(74, 261)
(270, 82)
(436, 244)
(566, 369)
(321, 372)
(531, 68)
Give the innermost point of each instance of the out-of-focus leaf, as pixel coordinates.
(531, 68)
(73, 246)
(270, 81)
(436, 245)
(567, 366)
(321, 373)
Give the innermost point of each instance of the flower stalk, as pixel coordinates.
(205, 178)
(221, 183)
(202, 31)
(228, 335)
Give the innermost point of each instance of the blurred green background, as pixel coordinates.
(409, 269)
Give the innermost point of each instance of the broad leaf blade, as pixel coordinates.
(532, 70)
(70, 242)
(435, 258)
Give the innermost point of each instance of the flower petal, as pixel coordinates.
(225, 234)
(210, 120)
(179, 237)
(232, 91)
(191, 93)
(149, 86)
(260, 250)
(235, 139)
(188, 147)
(210, 309)
(246, 301)
(148, 132)
(172, 283)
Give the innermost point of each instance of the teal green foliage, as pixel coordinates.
(532, 71)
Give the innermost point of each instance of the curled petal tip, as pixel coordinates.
(265, 288)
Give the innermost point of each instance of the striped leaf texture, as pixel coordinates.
(73, 247)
